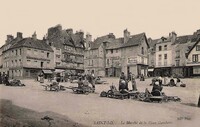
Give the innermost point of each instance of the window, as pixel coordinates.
(35, 61)
(196, 70)
(178, 54)
(16, 52)
(198, 48)
(47, 62)
(92, 62)
(42, 51)
(195, 58)
(165, 47)
(35, 50)
(28, 60)
(16, 62)
(20, 62)
(108, 61)
(177, 62)
(20, 51)
(165, 56)
(160, 57)
(116, 50)
(111, 51)
(160, 48)
(48, 55)
(29, 49)
(142, 51)
(41, 64)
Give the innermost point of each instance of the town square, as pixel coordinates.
(92, 63)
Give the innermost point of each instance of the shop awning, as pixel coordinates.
(59, 70)
(47, 71)
(151, 69)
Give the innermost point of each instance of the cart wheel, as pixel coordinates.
(110, 94)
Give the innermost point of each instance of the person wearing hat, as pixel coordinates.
(156, 86)
(123, 86)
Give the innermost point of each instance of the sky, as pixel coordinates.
(99, 17)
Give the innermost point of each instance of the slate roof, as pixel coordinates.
(63, 37)
(100, 40)
(182, 39)
(192, 47)
(32, 43)
(115, 44)
(135, 40)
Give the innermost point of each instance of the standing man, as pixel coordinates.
(134, 87)
(92, 79)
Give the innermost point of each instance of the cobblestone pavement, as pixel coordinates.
(93, 110)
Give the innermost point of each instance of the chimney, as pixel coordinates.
(111, 35)
(81, 34)
(126, 35)
(9, 38)
(19, 35)
(173, 36)
(69, 31)
(88, 37)
(88, 40)
(34, 36)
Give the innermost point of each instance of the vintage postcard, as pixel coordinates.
(99, 63)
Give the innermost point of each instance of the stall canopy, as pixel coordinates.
(47, 71)
(59, 70)
(151, 69)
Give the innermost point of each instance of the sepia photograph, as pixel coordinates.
(99, 63)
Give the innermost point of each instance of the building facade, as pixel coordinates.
(193, 60)
(27, 57)
(95, 54)
(113, 58)
(68, 49)
(164, 56)
(135, 54)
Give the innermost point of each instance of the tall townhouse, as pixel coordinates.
(113, 57)
(68, 49)
(193, 56)
(5, 55)
(164, 55)
(27, 57)
(179, 49)
(151, 56)
(134, 52)
(95, 54)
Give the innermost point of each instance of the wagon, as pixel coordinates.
(82, 90)
(156, 96)
(114, 93)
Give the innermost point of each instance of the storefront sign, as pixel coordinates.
(132, 60)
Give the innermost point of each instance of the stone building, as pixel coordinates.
(134, 52)
(164, 55)
(151, 56)
(193, 60)
(179, 49)
(26, 57)
(95, 54)
(113, 57)
(109, 56)
(68, 49)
